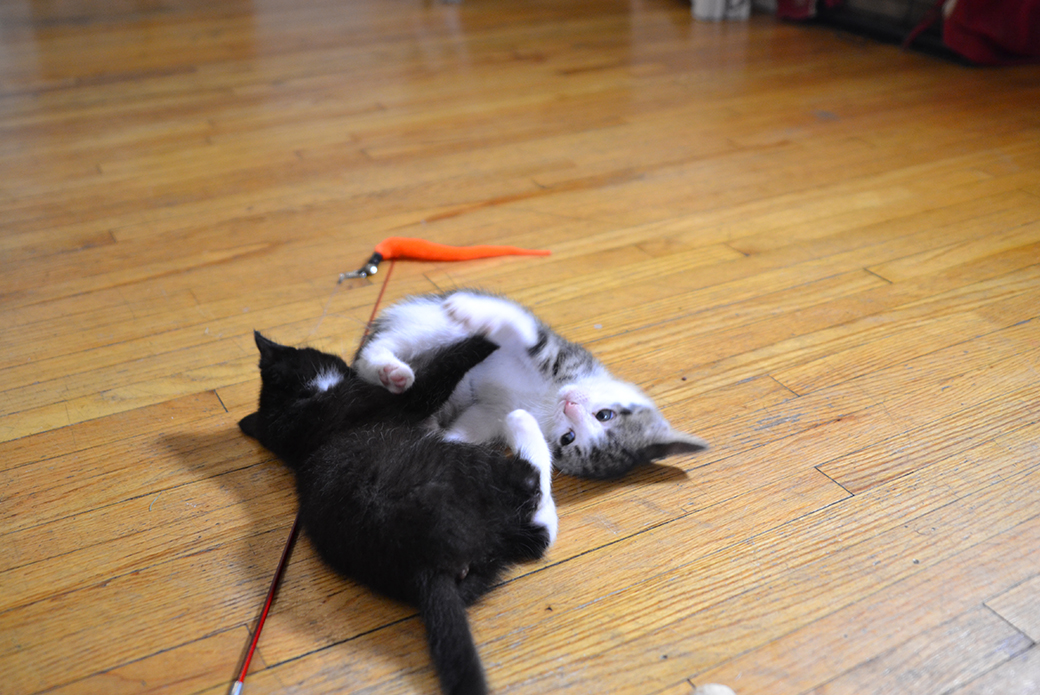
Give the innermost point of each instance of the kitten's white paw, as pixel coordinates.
(713, 689)
(526, 440)
(500, 321)
(475, 313)
(547, 518)
(396, 376)
(524, 434)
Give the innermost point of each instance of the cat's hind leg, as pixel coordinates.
(377, 364)
(440, 375)
(500, 320)
(526, 440)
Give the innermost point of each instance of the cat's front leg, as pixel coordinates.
(526, 440)
(378, 365)
(501, 321)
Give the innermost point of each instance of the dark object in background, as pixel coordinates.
(981, 32)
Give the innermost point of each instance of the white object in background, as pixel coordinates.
(713, 689)
(715, 10)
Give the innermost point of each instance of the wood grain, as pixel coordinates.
(1019, 607)
(1018, 675)
(835, 644)
(938, 659)
(819, 253)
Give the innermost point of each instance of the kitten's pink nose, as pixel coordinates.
(572, 410)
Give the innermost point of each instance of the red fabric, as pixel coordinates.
(801, 9)
(795, 9)
(995, 32)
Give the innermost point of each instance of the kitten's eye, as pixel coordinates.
(605, 415)
(567, 438)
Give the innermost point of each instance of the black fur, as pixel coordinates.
(425, 521)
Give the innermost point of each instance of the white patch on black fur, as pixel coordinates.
(326, 380)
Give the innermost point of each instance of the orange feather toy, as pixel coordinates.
(396, 247)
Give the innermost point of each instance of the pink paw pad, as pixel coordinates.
(396, 378)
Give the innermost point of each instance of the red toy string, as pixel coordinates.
(375, 307)
(239, 683)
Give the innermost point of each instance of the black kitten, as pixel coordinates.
(395, 506)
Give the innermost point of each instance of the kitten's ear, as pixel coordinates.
(672, 443)
(262, 343)
(268, 348)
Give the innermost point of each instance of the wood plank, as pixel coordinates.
(698, 324)
(191, 667)
(58, 636)
(1020, 607)
(1019, 675)
(94, 478)
(847, 206)
(764, 360)
(917, 447)
(90, 434)
(51, 563)
(683, 688)
(950, 318)
(936, 660)
(803, 658)
(194, 325)
(957, 254)
(706, 175)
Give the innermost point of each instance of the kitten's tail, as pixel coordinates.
(451, 645)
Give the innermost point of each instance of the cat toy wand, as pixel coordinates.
(389, 249)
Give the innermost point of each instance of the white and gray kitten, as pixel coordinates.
(597, 426)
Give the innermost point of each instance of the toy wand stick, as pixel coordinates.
(236, 689)
(390, 249)
(396, 247)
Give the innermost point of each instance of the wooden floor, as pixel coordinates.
(820, 253)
